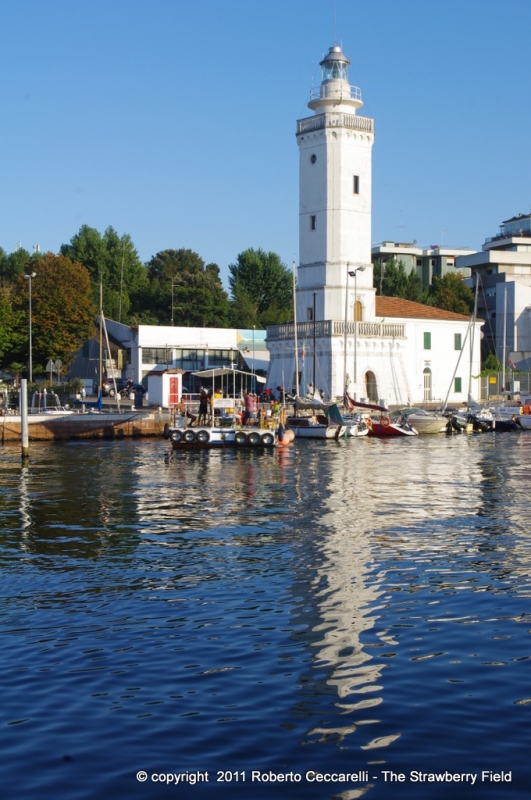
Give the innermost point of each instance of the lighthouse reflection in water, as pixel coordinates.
(348, 608)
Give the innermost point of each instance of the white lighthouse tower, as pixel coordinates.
(384, 349)
(335, 196)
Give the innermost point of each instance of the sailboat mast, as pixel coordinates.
(504, 336)
(345, 341)
(100, 383)
(295, 332)
(314, 378)
(474, 317)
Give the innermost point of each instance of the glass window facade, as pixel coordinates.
(516, 226)
(156, 355)
(189, 360)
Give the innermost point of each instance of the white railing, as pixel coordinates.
(335, 120)
(335, 90)
(366, 330)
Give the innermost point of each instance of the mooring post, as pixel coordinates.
(23, 404)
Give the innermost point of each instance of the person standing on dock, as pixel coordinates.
(203, 406)
(249, 406)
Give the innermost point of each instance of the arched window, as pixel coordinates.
(358, 311)
(371, 387)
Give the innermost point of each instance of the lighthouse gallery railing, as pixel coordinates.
(335, 121)
(373, 330)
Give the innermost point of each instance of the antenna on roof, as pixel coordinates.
(335, 22)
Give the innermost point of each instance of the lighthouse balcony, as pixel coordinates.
(335, 120)
(335, 91)
(330, 327)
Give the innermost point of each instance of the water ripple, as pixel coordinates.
(341, 606)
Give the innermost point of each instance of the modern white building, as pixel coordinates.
(378, 347)
(427, 262)
(137, 351)
(502, 269)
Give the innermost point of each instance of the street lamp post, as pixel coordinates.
(30, 371)
(254, 379)
(172, 300)
(354, 274)
(345, 387)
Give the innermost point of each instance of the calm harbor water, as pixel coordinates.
(357, 607)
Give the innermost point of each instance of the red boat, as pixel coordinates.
(383, 426)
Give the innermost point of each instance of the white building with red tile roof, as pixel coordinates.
(379, 348)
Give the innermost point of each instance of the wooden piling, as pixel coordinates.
(23, 403)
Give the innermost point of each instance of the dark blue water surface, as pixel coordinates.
(360, 607)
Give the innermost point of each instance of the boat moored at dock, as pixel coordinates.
(205, 437)
(384, 426)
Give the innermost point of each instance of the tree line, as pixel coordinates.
(175, 287)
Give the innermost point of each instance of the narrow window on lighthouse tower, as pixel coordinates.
(356, 184)
(312, 223)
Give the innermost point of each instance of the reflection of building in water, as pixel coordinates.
(344, 596)
(427, 513)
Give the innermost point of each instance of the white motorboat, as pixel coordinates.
(47, 402)
(524, 413)
(425, 421)
(315, 427)
(356, 425)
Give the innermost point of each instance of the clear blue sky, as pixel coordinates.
(174, 121)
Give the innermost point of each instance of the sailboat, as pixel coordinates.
(321, 420)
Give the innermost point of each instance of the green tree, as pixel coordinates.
(491, 364)
(244, 312)
(451, 293)
(3, 259)
(62, 311)
(127, 276)
(199, 299)
(14, 264)
(392, 280)
(11, 322)
(260, 280)
(113, 260)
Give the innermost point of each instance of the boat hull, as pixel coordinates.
(425, 425)
(505, 425)
(392, 429)
(306, 428)
(356, 430)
